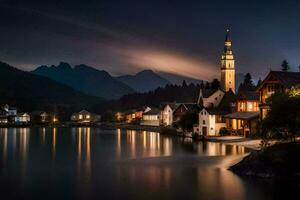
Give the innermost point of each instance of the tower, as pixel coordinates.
(227, 66)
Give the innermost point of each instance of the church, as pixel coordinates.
(211, 105)
(221, 102)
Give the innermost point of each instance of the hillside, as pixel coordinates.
(144, 81)
(85, 79)
(32, 92)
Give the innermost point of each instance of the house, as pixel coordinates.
(3, 117)
(182, 109)
(84, 117)
(42, 117)
(275, 81)
(167, 113)
(244, 120)
(134, 115)
(22, 119)
(11, 111)
(151, 118)
(211, 119)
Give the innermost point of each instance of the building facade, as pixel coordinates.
(275, 81)
(244, 120)
(151, 118)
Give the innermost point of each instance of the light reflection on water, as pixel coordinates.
(92, 163)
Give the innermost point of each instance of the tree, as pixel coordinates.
(202, 85)
(207, 86)
(215, 84)
(285, 66)
(184, 84)
(259, 82)
(282, 104)
(248, 80)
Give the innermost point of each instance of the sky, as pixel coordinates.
(124, 37)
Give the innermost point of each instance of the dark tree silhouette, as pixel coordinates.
(207, 86)
(215, 84)
(202, 85)
(248, 80)
(259, 82)
(285, 66)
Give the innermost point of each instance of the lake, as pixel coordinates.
(90, 163)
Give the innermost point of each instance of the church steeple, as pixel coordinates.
(227, 45)
(227, 66)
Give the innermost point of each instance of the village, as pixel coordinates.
(226, 110)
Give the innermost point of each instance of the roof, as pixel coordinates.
(287, 79)
(21, 114)
(216, 111)
(84, 112)
(227, 100)
(248, 93)
(153, 111)
(3, 111)
(208, 92)
(242, 115)
(172, 105)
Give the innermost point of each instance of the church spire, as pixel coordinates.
(227, 66)
(227, 44)
(227, 39)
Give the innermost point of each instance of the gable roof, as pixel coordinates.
(247, 92)
(287, 79)
(84, 112)
(172, 105)
(153, 111)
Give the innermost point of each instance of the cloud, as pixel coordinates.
(167, 61)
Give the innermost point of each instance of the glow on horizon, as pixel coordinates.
(166, 61)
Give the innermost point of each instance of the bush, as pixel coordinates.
(224, 132)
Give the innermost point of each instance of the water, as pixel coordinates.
(90, 163)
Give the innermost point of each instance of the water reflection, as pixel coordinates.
(83, 141)
(95, 161)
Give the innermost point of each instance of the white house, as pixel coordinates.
(211, 121)
(167, 113)
(151, 118)
(11, 111)
(22, 118)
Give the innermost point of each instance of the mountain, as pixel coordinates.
(29, 91)
(178, 79)
(85, 79)
(144, 81)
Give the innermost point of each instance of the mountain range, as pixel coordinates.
(30, 91)
(100, 83)
(144, 81)
(86, 79)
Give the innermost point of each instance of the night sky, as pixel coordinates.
(124, 37)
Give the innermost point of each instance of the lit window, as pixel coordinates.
(88, 116)
(80, 116)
